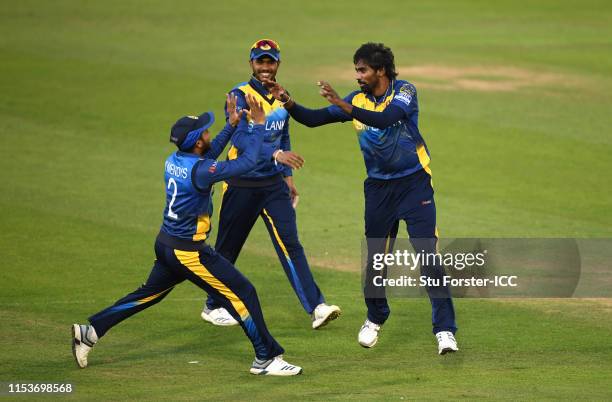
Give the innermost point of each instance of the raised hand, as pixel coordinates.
(277, 91)
(329, 93)
(234, 115)
(256, 112)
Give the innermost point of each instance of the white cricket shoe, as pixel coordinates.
(276, 366)
(368, 334)
(219, 316)
(84, 338)
(323, 314)
(446, 342)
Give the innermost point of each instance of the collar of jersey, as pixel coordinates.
(260, 89)
(188, 154)
(388, 92)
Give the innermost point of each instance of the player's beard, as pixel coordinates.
(206, 146)
(364, 87)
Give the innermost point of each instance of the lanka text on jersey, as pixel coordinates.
(276, 130)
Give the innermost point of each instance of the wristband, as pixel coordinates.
(289, 99)
(275, 154)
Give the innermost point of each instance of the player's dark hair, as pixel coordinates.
(377, 56)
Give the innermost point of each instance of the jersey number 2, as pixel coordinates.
(171, 214)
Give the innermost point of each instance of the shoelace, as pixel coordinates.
(84, 338)
(286, 366)
(371, 325)
(441, 335)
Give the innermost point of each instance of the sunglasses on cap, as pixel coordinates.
(266, 44)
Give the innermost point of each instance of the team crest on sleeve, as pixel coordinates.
(213, 167)
(405, 94)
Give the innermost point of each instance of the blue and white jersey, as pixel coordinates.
(189, 178)
(188, 210)
(398, 150)
(276, 130)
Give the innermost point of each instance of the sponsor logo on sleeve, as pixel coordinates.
(405, 94)
(213, 167)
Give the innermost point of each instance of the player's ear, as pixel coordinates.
(200, 142)
(380, 72)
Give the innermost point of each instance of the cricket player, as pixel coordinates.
(385, 113)
(181, 249)
(266, 192)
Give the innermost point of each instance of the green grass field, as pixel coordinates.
(515, 104)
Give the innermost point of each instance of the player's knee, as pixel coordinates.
(244, 288)
(252, 292)
(245, 293)
(292, 244)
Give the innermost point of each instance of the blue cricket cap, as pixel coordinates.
(265, 47)
(187, 130)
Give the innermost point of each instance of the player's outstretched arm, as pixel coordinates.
(401, 106)
(301, 114)
(391, 115)
(329, 93)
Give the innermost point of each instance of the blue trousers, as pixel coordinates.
(410, 199)
(240, 209)
(211, 272)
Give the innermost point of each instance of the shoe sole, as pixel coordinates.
(370, 346)
(264, 372)
(447, 350)
(332, 316)
(74, 337)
